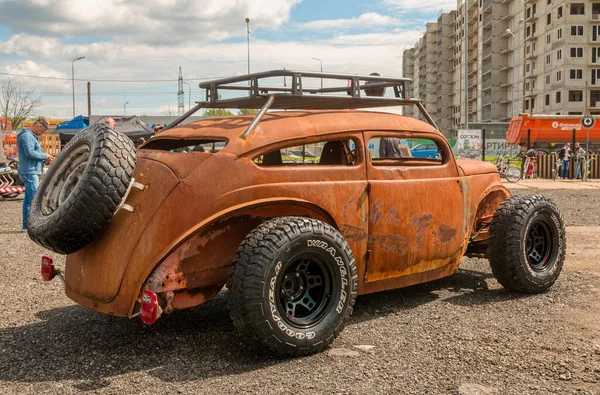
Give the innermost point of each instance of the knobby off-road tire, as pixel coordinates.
(527, 244)
(292, 286)
(82, 190)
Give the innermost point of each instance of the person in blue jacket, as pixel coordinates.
(31, 161)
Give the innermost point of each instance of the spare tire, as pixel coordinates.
(82, 190)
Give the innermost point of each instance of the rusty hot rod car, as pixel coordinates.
(217, 203)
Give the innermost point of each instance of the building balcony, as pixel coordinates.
(595, 18)
(487, 68)
(487, 20)
(531, 55)
(531, 37)
(532, 18)
(487, 53)
(530, 93)
(506, 51)
(487, 36)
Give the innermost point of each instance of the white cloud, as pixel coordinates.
(160, 21)
(407, 6)
(369, 19)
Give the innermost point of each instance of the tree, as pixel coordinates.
(248, 111)
(17, 103)
(217, 112)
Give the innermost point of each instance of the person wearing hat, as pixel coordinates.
(31, 161)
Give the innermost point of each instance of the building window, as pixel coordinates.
(547, 59)
(576, 74)
(559, 34)
(548, 19)
(549, 2)
(557, 97)
(548, 79)
(527, 68)
(528, 50)
(577, 8)
(548, 38)
(526, 104)
(577, 52)
(532, 104)
(558, 76)
(559, 54)
(576, 30)
(559, 13)
(595, 54)
(595, 76)
(595, 32)
(527, 86)
(547, 100)
(575, 96)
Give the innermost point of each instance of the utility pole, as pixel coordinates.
(512, 92)
(89, 97)
(124, 103)
(466, 30)
(320, 61)
(73, 80)
(189, 95)
(248, 36)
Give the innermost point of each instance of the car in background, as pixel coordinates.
(425, 151)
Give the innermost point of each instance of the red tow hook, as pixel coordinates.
(48, 269)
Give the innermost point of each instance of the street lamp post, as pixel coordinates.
(189, 95)
(73, 80)
(320, 61)
(512, 90)
(248, 36)
(124, 103)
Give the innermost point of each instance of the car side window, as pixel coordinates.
(325, 153)
(395, 151)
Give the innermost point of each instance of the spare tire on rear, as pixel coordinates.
(82, 190)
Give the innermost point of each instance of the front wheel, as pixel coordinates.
(513, 173)
(292, 286)
(527, 243)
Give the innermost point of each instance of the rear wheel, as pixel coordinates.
(527, 244)
(292, 286)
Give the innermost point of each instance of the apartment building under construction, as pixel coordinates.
(535, 56)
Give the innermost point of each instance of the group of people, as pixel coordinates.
(565, 155)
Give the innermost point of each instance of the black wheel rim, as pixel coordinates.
(304, 290)
(540, 245)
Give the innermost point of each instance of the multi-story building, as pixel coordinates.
(536, 56)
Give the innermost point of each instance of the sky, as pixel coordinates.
(133, 48)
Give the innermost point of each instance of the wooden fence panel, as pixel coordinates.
(546, 166)
(50, 143)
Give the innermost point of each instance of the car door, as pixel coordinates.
(416, 218)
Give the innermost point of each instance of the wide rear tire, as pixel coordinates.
(292, 286)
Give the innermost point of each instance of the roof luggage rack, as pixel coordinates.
(295, 96)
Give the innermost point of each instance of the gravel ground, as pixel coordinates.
(460, 335)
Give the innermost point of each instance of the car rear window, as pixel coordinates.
(184, 146)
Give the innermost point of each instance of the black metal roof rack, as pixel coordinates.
(338, 96)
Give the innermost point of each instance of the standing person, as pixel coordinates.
(31, 161)
(389, 147)
(579, 156)
(111, 122)
(564, 155)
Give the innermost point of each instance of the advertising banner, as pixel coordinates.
(468, 144)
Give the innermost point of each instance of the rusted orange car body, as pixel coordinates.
(405, 225)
